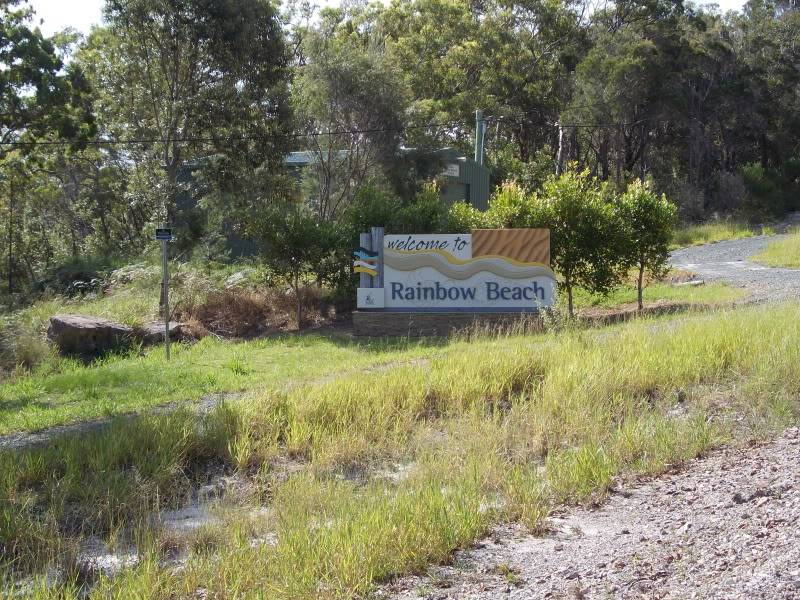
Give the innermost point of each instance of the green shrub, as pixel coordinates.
(766, 191)
(425, 214)
(586, 248)
(462, 217)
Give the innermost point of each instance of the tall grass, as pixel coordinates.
(713, 231)
(72, 391)
(783, 253)
(493, 429)
(708, 294)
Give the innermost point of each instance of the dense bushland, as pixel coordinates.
(159, 114)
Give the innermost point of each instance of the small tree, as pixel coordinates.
(294, 244)
(647, 223)
(584, 232)
(584, 228)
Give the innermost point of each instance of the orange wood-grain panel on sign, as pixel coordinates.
(524, 245)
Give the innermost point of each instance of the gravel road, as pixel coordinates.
(728, 526)
(728, 262)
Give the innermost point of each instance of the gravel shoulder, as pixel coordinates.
(729, 262)
(728, 526)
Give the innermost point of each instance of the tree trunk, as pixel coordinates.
(619, 156)
(560, 155)
(11, 239)
(299, 306)
(605, 169)
(171, 201)
(575, 147)
(570, 307)
(640, 285)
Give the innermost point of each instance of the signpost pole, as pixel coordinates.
(364, 280)
(376, 233)
(165, 283)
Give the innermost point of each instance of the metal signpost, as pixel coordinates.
(164, 234)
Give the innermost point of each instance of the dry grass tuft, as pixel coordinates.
(232, 313)
(284, 306)
(241, 313)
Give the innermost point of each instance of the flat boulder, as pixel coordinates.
(153, 333)
(87, 336)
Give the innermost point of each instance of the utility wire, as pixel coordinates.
(331, 133)
(136, 141)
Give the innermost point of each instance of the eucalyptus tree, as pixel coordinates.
(189, 79)
(513, 60)
(39, 95)
(41, 100)
(350, 102)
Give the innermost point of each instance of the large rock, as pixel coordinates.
(153, 333)
(87, 336)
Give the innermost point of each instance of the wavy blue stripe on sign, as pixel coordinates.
(365, 254)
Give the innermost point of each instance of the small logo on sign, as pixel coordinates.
(365, 261)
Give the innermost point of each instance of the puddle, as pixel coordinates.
(95, 558)
(187, 519)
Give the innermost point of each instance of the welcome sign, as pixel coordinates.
(488, 270)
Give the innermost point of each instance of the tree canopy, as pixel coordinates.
(185, 111)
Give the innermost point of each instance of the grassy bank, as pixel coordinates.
(714, 231)
(377, 474)
(659, 292)
(74, 391)
(59, 390)
(783, 253)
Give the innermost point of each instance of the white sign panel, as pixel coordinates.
(451, 170)
(439, 272)
(370, 298)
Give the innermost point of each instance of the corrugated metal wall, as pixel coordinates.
(471, 185)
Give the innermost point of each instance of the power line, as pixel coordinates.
(137, 141)
(331, 133)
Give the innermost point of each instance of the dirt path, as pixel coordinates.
(729, 262)
(728, 526)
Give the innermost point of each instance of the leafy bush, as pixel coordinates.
(463, 218)
(530, 175)
(765, 189)
(372, 207)
(376, 207)
(424, 214)
(296, 245)
(585, 233)
(90, 271)
(512, 207)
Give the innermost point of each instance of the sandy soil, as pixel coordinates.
(727, 526)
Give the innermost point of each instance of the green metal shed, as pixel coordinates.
(462, 179)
